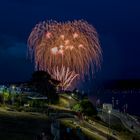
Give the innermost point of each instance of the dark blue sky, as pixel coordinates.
(117, 22)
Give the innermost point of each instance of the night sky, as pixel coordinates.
(117, 22)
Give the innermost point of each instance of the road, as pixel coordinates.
(84, 125)
(97, 130)
(76, 123)
(130, 123)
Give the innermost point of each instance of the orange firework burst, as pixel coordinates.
(71, 46)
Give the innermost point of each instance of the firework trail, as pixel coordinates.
(67, 50)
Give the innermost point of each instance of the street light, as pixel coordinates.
(109, 112)
(13, 92)
(72, 94)
(13, 87)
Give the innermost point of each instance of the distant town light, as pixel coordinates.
(13, 86)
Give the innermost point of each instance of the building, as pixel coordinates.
(107, 107)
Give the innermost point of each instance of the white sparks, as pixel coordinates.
(54, 50)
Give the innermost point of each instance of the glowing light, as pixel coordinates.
(67, 42)
(48, 35)
(64, 75)
(62, 36)
(13, 87)
(76, 41)
(54, 50)
(75, 35)
(109, 111)
(61, 46)
(81, 46)
(71, 47)
(70, 97)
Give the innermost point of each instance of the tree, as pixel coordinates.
(45, 85)
(77, 107)
(5, 96)
(85, 107)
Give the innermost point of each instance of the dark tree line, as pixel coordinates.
(45, 85)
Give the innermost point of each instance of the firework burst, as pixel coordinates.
(65, 76)
(66, 49)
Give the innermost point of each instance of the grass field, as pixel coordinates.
(21, 125)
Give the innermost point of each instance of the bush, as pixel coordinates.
(36, 103)
(77, 107)
(86, 107)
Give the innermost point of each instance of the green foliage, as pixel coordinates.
(5, 96)
(85, 107)
(88, 108)
(77, 107)
(36, 103)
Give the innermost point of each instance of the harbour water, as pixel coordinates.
(124, 102)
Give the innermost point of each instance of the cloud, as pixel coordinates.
(117, 22)
(10, 46)
(6, 41)
(17, 50)
(14, 65)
